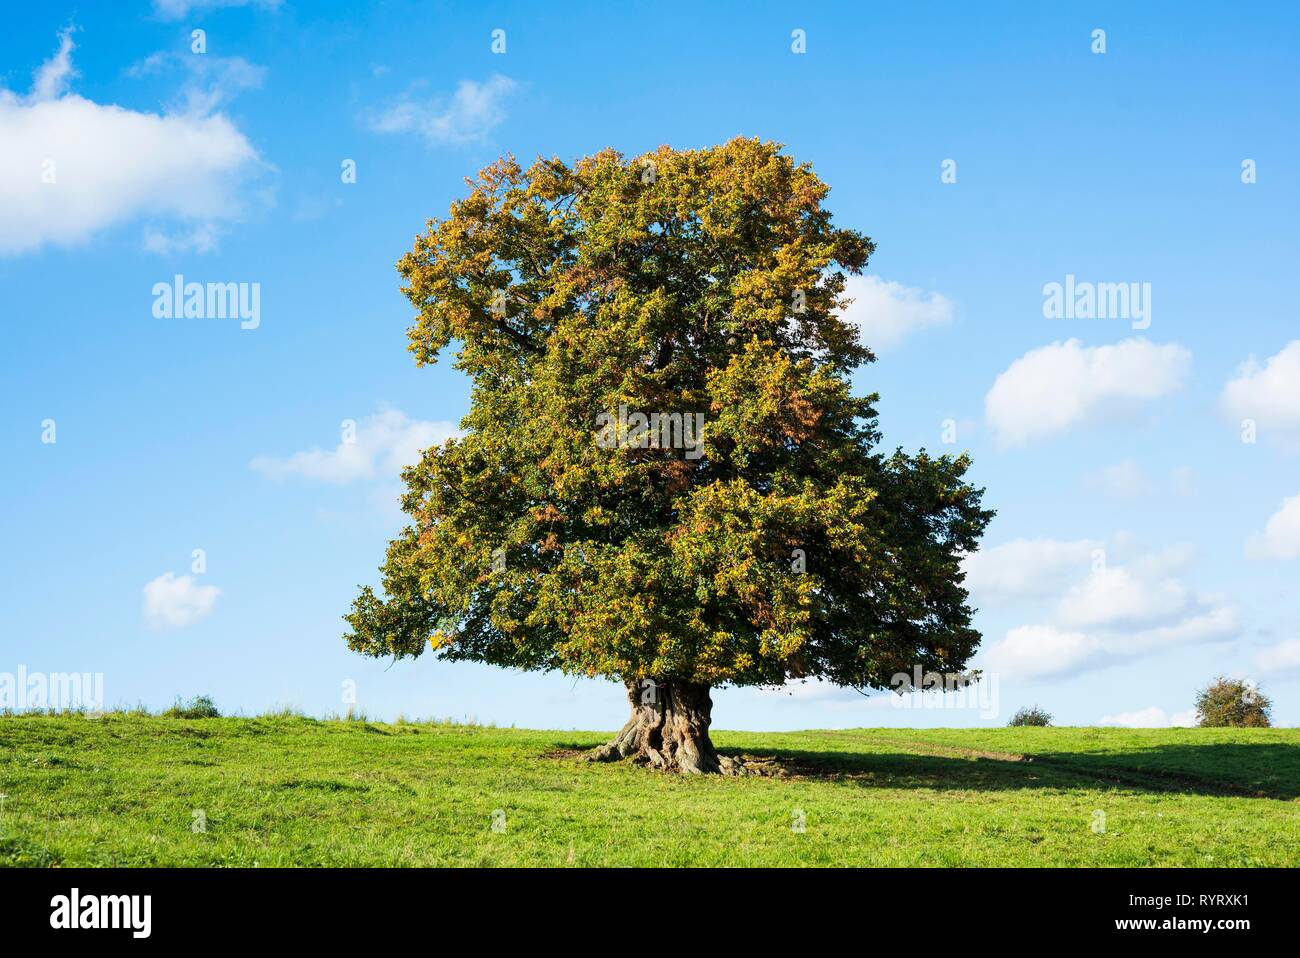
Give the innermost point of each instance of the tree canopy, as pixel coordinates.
(698, 286)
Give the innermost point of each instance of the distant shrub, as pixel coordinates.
(199, 707)
(1031, 716)
(1232, 703)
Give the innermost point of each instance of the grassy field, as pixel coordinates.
(280, 791)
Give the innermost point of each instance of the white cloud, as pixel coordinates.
(53, 76)
(384, 444)
(467, 116)
(887, 312)
(177, 9)
(1151, 718)
(1041, 651)
(1119, 596)
(108, 164)
(171, 602)
(210, 81)
(1209, 619)
(1114, 604)
(1049, 651)
(1054, 387)
(1282, 657)
(1026, 568)
(1268, 394)
(1281, 536)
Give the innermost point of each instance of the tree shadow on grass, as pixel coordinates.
(1238, 770)
(1242, 770)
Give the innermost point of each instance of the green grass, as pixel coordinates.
(123, 789)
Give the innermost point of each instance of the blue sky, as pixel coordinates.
(1140, 548)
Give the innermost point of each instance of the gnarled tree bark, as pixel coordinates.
(669, 730)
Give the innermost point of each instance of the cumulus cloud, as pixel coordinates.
(1205, 619)
(467, 116)
(1041, 651)
(1026, 568)
(1119, 596)
(1152, 717)
(1055, 387)
(1268, 393)
(1110, 607)
(887, 312)
(71, 167)
(1280, 658)
(1281, 536)
(381, 446)
(172, 602)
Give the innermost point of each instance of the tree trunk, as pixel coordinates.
(669, 730)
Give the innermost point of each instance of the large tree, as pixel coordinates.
(694, 286)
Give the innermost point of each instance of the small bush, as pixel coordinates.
(1232, 703)
(199, 707)
(1031, 716)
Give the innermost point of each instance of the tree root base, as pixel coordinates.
(669, 731)
(652, 759)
